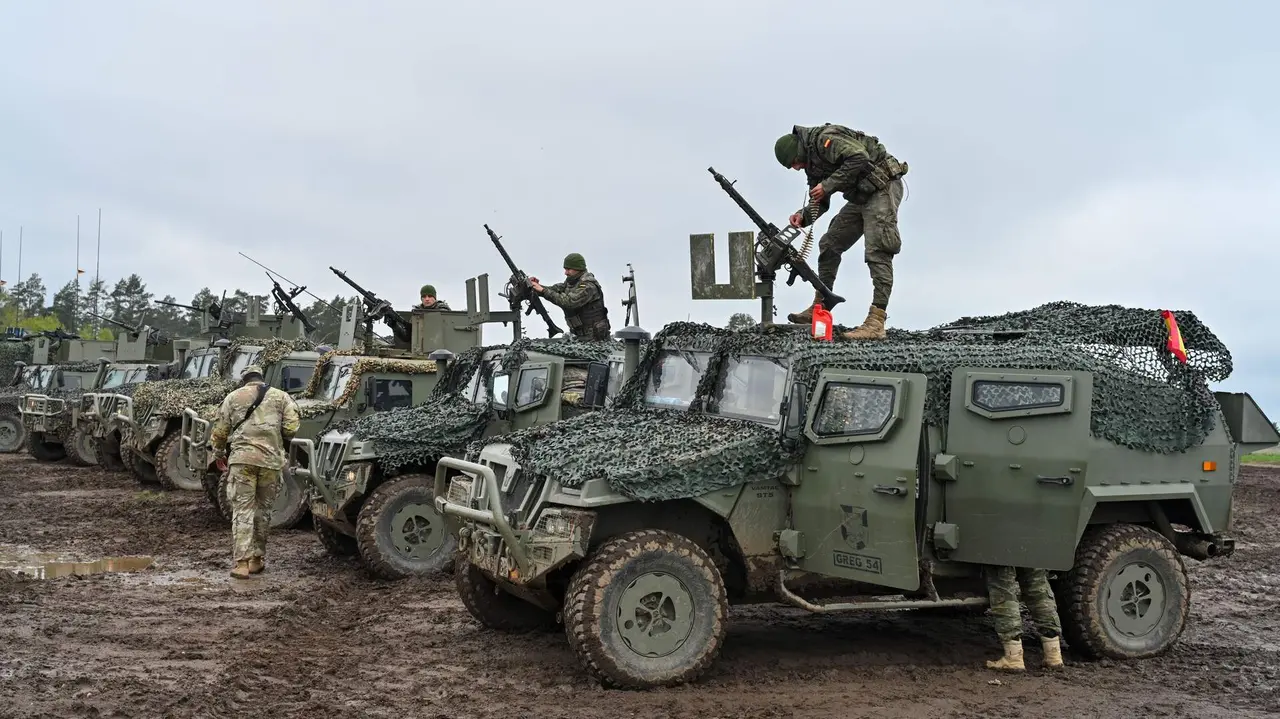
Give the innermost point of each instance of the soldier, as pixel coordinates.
(429, 301)
(837, 159)
(581, 299)
(255, 423)
(1003, 585)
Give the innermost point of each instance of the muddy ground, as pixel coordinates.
(315, 637)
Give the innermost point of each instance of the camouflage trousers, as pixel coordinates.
(877, 218)
(251, 492)
(1003, 585)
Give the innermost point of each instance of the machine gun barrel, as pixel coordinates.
(215, 310)
(379, 308)
(286, 300)
(522, 288)
(778, 251)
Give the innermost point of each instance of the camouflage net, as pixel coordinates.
(10, 354)
(1143, 398)
(447, 421)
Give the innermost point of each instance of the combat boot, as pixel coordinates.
(1052, 652)
(1012, 659)
(256, 565)
(872, 328)
(805, 316)
(241, 570)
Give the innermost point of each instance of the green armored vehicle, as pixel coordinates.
(16, 355)
(348, 384)
(67, 366)
(370, 481)
(70, 418)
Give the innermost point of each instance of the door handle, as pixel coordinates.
(887, 489)
(1060, 481)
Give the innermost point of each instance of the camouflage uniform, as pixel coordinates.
(255, 458)
(582, 300)
(430, 291)
(857, 165)
(1004, 584)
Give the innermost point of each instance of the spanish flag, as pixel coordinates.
(1174, 343)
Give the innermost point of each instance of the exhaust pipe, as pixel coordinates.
(1202, 547)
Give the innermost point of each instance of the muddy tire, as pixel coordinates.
(13, 433)
(1127, 597)
(335, 543)
(138, 467)
(210, 483)
(399, 532)
(81, 449)
(646, 609)
(44, 451)
(107, 450)
(170, 469)
(287, 511)
(494, 608)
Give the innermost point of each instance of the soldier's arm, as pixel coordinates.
(571, 298)
(806, 214)
(290, 421)
(851, 159)
(221, 425)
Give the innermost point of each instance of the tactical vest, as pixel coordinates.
(884, 168)
(591, 321)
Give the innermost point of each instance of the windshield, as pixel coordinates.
(674, 379)
(41, 377)
(119, 376)
(334, 379)
(474, 391)
(243, 359)
(200, 365)
(752, 388)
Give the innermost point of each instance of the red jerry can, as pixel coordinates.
(821, 323)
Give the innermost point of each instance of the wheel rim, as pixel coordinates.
(177, 472)
(1135, 600)
(10, 434)
(286, 498)
(416, 532)
(85, 447)
(655, 614)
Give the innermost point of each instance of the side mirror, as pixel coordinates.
(368, 393)
(593, 395)
(794, 410)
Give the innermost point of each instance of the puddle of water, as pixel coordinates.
(50, 565)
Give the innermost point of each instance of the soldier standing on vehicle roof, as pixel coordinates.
(1003, 584)
(838, 159)
(255, 423)
(429, 301)
(581, 298)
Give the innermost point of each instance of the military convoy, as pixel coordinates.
(65, 366)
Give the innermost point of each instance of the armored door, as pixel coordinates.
(855, 502)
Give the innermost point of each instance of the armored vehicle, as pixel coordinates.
(370, 481)
(346, 384)
(67, 365)
(141, 354)
(764, 465)
(16, 355)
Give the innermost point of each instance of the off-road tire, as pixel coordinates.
(1083, 593)
(210, 483)
(81, 449)
(15, 431)
(169, 465)
(592, 608)
(287, 519)
(494, 608)
(291, 514)
(335, 543)
(107, 450)
(138, 467)
(375, 527)
(44, 451)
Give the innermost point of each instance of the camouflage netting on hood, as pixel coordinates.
(1143, 397)
(10, 354)
(358, 369)
(447, 421)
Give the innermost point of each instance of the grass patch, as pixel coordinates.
(1262, 458)
(148, 495)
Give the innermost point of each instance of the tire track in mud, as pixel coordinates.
(316, 637)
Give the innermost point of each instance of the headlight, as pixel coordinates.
(460, 490)
(554, 524)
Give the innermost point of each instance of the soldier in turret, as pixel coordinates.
(429, 301)
(838, 159)
(581, 298)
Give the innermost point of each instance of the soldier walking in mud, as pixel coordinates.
(429, 301)
(838, 159)
(254, 425)
(581, 298)
(1003, 585)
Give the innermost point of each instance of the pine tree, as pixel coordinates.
(66, 306)
(94, 300)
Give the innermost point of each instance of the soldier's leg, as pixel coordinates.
(1038, 596)
(1006, 616)
(843, 232)
(268, 488)
(242, 496)
(880, 216)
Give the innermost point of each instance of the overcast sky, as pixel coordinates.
(1103, 152)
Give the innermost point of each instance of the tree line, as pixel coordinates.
(74, 306)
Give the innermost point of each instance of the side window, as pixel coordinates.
(996, 396)
(532, 387)
(294, 378)
(853, 409)
(392, 393)
(70, 381)
(615, 379)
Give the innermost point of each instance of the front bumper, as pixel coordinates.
(39, 411)
(471, 504)
(194, 442)
(335, 481)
